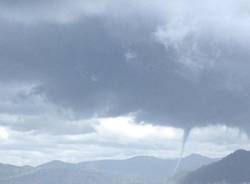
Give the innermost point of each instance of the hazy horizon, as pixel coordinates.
(114, 159)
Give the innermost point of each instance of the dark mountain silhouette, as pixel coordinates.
(234, 169)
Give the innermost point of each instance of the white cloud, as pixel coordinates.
(4, 134)
(116, 138)
(216, 141)
(127, 127)
(130, 55)
(191, 25)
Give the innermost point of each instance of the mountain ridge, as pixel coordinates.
(233, 169)
(143, 169)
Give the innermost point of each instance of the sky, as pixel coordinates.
(111, 79)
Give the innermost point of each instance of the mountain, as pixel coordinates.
(141, 169)
(149, 168)
(55, 164)
(7, 171)
(233, 169)
(60, 175)
(195, 161)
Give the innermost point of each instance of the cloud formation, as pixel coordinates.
(65, 65)
(107, 143)
(65, 11)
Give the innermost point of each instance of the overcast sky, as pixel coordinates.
(96, 79)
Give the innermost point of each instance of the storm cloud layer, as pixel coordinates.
(175, 63)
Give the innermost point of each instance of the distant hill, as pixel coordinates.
(7, 171)
(195, 161)
(134, 170)
(60, 175)
(233, 169)
(149, 168)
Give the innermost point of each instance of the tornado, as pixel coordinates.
(183, 144)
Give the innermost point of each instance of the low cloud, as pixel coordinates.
(108, 142)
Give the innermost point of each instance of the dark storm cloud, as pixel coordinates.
(103, 65)
(64, 11)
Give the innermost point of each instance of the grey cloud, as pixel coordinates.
(23, 111)
(65, 11)
(82, 66)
